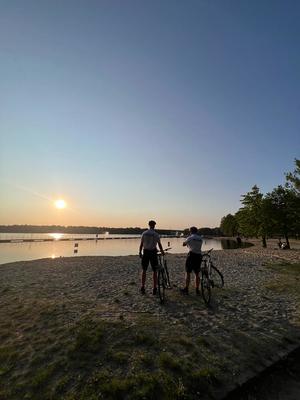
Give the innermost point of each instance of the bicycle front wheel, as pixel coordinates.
(217, 277)
(205, 287)
(161, 285)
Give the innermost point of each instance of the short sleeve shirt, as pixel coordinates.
(150, 238)
(194, 243)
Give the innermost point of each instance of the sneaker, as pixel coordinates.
(143, 290)
(198, 292)
(184, 291)
(154, 291)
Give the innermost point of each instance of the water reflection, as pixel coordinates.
(232, 244)
(56, 236)
(11, 252)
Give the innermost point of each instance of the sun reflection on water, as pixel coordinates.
(56, 236)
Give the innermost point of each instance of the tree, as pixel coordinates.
(229, 225)
(283, 210)
(252, 217)
(293, 179)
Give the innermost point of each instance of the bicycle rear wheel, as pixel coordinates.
(161, 285)
(168, 284)
(205, 287)
(217, 277)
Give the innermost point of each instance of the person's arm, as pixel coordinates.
(161, 248)
(185, 242)
(141, 247)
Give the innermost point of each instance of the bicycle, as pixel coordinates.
(163, 278)
(210, 276)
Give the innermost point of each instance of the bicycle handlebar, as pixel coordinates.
(207, 253)
(165, 250)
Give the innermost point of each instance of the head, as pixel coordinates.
(193, 230)
(152, 224)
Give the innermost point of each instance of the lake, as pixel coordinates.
(106, 245)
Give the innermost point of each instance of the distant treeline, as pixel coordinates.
(77, 229)
(99, 230)
(206, 231)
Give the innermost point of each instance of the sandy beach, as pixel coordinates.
(74, 328)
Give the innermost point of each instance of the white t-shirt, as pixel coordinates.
(194, 243)
(150, 238)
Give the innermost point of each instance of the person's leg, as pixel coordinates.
(197, 267)
(185, 290)
(154, 279)
(145, 263)
(187, 280)
(197, 280)
(143, 278)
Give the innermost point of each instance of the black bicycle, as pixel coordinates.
(210, 276)
(163, 278)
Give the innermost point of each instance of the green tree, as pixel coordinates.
(283, 211)
(293, 178)
(229, 225)
(253, 216)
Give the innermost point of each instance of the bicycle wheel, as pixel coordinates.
(168, 284)
(217, 277)
(205, 287)
(161, 285)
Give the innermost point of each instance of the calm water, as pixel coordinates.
(110, 246)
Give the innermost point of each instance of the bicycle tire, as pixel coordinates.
(205, 287)
(217, 277)
(168, 284)
(161, 285)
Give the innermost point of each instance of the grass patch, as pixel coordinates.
(88, 338)
(170, 362)
(147, 360)
(184, 341)
(139, 386)
(120, 357)
(144, 338)
(287, 277)
(42, 377)
(285, 268)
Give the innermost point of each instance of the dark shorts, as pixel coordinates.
(149, 256)
(193, 262)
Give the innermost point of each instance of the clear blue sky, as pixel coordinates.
(131, 110)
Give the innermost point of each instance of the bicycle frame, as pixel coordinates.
(210, 276)
(163, 264)
(163, 276)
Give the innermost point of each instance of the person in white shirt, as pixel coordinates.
(193, 260)
(149, 241)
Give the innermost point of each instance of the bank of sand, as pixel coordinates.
(51, 309)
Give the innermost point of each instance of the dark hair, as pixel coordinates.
(193, 229)
(151, 223)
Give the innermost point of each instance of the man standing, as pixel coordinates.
(150, 239)
(193, 260)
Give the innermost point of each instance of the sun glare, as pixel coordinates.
(60, 204)
(56, 236)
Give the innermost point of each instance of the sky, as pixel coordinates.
(133, 110)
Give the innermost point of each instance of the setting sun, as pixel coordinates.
(60, 204)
